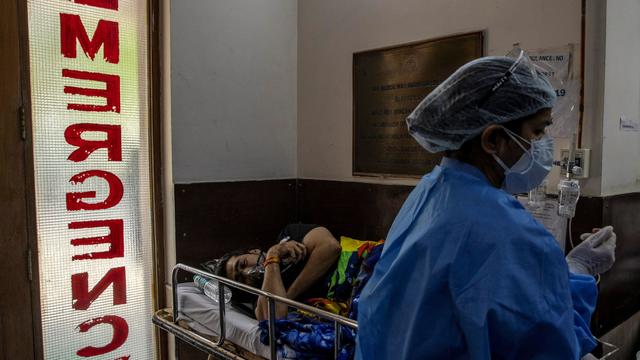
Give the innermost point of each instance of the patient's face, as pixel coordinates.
(245, 268)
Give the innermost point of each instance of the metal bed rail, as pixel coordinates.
(271, 301)
(163, 319)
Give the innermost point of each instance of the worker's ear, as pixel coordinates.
(491, 139)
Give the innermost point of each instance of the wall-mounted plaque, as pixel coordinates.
(387, 85)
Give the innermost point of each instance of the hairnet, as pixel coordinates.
(464, 104)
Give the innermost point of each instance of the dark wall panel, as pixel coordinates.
(620, 286)
(359, 210)
(588, 216)
(619, 296)
(214, 218)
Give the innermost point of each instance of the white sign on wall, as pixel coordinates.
(89, 88)
(555, 64)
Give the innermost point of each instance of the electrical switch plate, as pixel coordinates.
(582, 159)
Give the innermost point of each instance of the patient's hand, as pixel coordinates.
(290, 251)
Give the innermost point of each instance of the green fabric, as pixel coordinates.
(351, 255)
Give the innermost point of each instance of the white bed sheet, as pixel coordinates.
(201, 313)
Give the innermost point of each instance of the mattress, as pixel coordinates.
(201, 314)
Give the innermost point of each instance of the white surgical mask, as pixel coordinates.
(532, 167)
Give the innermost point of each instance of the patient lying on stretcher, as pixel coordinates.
(296, 267)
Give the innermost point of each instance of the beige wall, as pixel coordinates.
(621, 149)
(330, 31)
(233, 89)
(595, 34)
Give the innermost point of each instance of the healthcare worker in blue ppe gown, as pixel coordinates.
(467, 272)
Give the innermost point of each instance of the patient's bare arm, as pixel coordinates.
(293, 251)
(323, 251)
(273, 284)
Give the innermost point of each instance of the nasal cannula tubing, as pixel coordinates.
(570, 235)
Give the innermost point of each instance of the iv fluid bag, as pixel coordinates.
(568, 195)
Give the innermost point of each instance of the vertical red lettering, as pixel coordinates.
(75, 199)
(115, 239)
(83, 298)
(113, 142)
(120, 334)
(105, 4)
(111, 93)
(72, 29)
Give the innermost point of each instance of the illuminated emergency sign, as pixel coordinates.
(89, 87)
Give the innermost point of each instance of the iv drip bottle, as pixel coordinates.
(568, 195)
(210, 288)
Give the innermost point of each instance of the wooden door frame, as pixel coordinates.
(30, 180)
(17, 339)
(157, 168)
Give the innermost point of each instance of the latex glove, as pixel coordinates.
(595, 255)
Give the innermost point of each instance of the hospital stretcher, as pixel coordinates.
(217, 343)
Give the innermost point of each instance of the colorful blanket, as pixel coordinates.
(303, 336)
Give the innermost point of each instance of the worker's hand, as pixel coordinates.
(595, 255)
(289, 252)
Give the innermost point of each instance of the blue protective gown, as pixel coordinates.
(468, 273)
